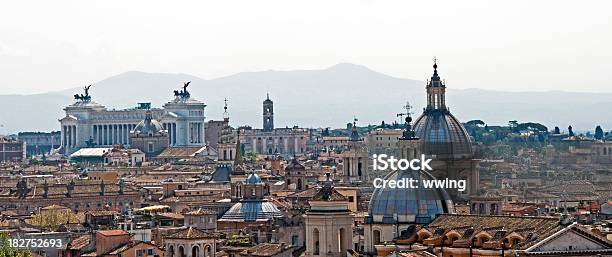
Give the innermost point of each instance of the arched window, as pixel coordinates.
(171, 251)
(341, 239)
(376, 237)
(207, 251)
(195, 251)
(181, 252)
(315, 241)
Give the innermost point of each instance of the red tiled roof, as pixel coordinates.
(80, 242)
(114, 232)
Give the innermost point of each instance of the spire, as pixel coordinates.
(409, 131)
(238, 158)
(435, 78)
(225, 113)
(354, 134)
(435, 66)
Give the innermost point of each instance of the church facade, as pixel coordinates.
(89, 124)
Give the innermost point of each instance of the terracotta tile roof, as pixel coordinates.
(177, 152)
(497, 226)
(80, 242)
(190, 233)
(200, 211)
(266, 249)
(171, 215)
(128, 246)
(73, 227)
(114, 232)
(308, 193)
(101, 213)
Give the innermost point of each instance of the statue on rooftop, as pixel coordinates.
(83, 97)
(183, 93)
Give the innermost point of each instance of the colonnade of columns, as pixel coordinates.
(112, 134)
(267, 145)
(69, 135)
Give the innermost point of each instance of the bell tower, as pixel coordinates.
(268, 114)
(355, 158)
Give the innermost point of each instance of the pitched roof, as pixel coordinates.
(329, 194)
(190, 233)
(174, 152)
(171, 215)
(91, 152)
(266, 249)
(294, 164)
(80, 242)
(128, 246)
(576, 228)
(529, 227)
(200, 211)
(113, 232)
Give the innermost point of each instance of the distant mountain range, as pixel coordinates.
(312, 98)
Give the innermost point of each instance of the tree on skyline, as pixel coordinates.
(599, 134)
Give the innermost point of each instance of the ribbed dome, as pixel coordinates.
(443, 135)
(148, 126)
(145, 128)
(252, 211)
(408, 205)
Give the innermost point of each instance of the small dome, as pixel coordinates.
(412, 205)
(148, 126)
(253, 179)
(443, 135)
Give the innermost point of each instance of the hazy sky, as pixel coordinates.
(509, 45)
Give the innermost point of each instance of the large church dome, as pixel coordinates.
(408, 205)
(442, 135)
(440, 132)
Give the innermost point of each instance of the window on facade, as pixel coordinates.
(376, 237)
(138, 252)
(150, 251)
(315, 238)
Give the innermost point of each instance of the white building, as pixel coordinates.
(272, 141)
(89, 124)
